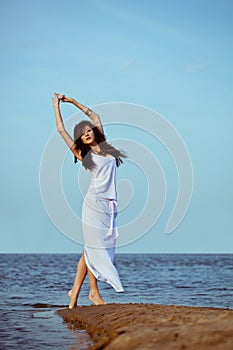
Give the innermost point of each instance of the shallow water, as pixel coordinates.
(34, 286)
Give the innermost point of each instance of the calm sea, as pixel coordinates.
(34, 286)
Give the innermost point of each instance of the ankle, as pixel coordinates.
(94, 292)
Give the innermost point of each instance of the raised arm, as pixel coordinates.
(61, 128)
(92, 115)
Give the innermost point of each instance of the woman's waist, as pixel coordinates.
(95, 196)
(102, 192)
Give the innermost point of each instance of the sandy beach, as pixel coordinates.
(149, 326)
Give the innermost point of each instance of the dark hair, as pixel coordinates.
(106, 148)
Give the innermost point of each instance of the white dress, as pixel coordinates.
(99, 213)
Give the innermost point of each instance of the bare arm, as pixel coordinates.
(61, 128)
(92, 115)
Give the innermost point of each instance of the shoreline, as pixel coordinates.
(151, 326)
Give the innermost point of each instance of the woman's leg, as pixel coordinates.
(78, 281)
(94, 295)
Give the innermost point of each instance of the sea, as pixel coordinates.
(34, 286)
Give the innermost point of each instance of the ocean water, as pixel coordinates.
(34, 286)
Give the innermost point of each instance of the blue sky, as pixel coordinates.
(174, 57)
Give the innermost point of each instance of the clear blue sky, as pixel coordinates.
(174, 57)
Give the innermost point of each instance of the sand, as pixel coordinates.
(145, 326)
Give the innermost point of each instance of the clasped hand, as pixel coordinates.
(60, 97)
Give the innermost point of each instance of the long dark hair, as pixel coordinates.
(106, 148)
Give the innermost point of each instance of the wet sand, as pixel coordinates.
(145, 326)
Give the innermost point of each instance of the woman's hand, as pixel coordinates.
(60, 97)
(56, 99)
(64, 98)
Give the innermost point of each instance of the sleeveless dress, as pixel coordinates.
(99, 212)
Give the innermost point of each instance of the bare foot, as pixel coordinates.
(96, 299)
(73, 300)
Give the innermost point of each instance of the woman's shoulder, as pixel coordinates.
(76, 152)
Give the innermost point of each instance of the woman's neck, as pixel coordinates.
(95, 148)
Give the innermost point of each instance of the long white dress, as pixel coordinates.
(99, 213)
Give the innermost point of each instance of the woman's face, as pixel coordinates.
(88, 135)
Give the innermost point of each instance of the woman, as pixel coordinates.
(99, 209)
